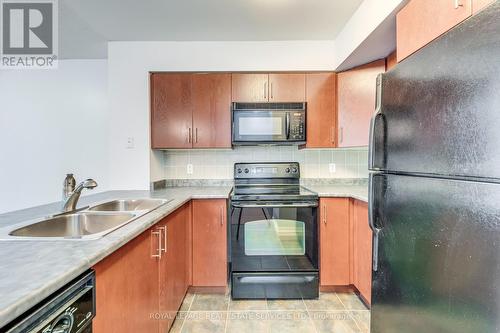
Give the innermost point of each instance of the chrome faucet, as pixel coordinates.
(69, 204)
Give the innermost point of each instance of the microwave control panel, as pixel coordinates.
(297, 126)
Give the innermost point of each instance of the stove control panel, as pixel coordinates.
(267, 170)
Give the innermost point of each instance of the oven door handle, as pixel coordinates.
(275, 205)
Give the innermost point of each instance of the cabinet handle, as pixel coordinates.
(221, 213)
(196, 135)
(324, 214)
(332, 135)
(272, 91)
(164, 229)
(341, 134)
(189, 135)
(158, 250)
(265, 90)
(458, 3)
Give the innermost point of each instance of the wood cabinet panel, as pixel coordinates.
(171, 110)
(321, 110)
(478, 5)
(391, 61)
(248, 87)
(211, 110)
(173, 271)
(362, 250)
(287, 87)
(127, 288)
(356, 89)
(421, 21)
(209, 243)
(334, 234)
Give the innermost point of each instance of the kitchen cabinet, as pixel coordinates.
(321, 110)
(362, 250)
(334, 234)
(391, 61)
(173, 270)
(345, 245)
(190, 110)
(356, 90)
(248, 87)
(287, 87)
(478, 5)
(211, 110)
(422, 21)
(209, 243)
(273, 87)
(140, 287)
(127, 287)
(171, 110)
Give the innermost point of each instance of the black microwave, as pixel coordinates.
(268, 123)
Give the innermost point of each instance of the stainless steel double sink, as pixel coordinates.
(91, 223)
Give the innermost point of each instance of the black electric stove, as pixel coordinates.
(273, 229)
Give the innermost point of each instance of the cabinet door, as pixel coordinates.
(171, 110)
(287, 87)
(250, 87)
(334, 243)
(478, 5)
(127, 288)
(356, 103)
(211, 110)
(209, 243)
(173, 265)
(421, 21)
(362, 251)
(321, 111)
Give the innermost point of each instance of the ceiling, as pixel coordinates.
(85, 26)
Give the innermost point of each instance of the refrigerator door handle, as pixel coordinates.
(373, 120)
(371, 222)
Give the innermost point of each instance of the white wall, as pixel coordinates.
(51, 122)
(130, 62)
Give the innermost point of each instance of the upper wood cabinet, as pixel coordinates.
(287, 87)
(421, 21)
(250, 87)
(211, 110)
(321, 111)
(334, 232)
(171, 110)
(274, 87)
(391, 61)
(209, 243)
(356, 90)
(190, 110)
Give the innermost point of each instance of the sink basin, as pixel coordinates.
(129, 205)
(79, 225)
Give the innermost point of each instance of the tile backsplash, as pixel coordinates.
(218, 164)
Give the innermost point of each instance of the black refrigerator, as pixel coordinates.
(434, 193)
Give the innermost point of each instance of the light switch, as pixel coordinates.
(130, 143)
(189, 169)
(332, 167)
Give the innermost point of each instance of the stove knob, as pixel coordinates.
(287, 170)
(239, 170)
(294, 170)
(246, 170)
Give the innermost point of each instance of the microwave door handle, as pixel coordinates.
(287, 125)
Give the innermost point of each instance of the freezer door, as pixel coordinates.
(440, 108)
(437, 264)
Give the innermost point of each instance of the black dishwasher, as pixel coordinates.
(69, 310)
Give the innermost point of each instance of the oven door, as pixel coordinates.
(274, 250)
(260, 126)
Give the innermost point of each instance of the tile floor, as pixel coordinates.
(213, 313)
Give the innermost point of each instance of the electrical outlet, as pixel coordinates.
(130, 143)
(189, 169)
(332, 167)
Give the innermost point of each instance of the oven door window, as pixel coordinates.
(275, 237)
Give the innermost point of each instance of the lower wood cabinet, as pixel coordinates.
(345, 245)
(140, 287)
(209, 243)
